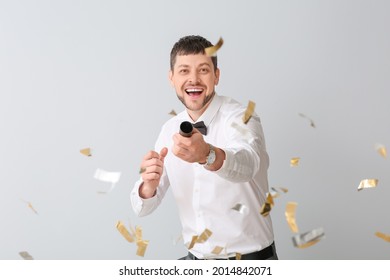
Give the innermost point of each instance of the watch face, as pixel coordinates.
(211, 157)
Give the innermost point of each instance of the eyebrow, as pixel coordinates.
(200, 65)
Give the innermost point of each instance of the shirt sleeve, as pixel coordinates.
(246, 154)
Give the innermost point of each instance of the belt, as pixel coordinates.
(263, 254)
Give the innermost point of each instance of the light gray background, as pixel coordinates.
(76, 74)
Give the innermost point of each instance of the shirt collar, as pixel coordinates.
(208, 115)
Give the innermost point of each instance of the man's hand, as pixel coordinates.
(191, 149)
(152, 166)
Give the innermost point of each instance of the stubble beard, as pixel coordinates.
(205, 101)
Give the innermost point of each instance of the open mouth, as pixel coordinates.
(194, 91)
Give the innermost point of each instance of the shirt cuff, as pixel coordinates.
(142, 206)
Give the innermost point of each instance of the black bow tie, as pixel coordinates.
(201, 127)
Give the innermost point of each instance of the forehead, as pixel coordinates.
(192, 60)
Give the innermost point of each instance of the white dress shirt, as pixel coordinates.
(205, 198)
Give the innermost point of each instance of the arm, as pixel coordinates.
(246, 152)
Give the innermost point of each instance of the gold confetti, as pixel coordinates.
(294, 161)
(212, 51)
(173, 113)
(125, 233)
(267, 206)
(284, 190)
(141, 247)
(309, 238)
(141, 244)
(308, 244)
(177, 240)
(86, 152)
(240, 208)
(249, 111)
(217, 250)
(193, 241)
(204, 236)
(275, 192)
(367, 184)
(311, 121)
(138, 232)
(30, 206)
(381, 150)
(238, 256)
(25, 255)
(290, 216)
(385, 237)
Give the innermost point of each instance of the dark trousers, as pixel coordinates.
(268, 253)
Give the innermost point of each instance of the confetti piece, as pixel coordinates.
(294, 161)
(204, 236)
(385, 237)
(141, 244)
(290, 216)
(309, 238)
(86, 152)
(173, 113)
(238, 256)
(249, 112)
(141, 247)
(217, 250)
(367, 184)
(381, 150)
(138, 232)
(142, 170)
(109, 177)
(212, 51)
(273, 193)
(239, 128)
(241, 208)
(25, 255)
(311, 121)
(245, 133)
(177, 240)
(193, 241)
(276, 193)
(284, 190)
(30, 206)
(125, 233)
(267, 206)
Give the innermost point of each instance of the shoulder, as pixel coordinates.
(232, 109)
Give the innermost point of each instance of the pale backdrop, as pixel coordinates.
(77, 74)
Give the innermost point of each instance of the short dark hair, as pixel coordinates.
(192, 44)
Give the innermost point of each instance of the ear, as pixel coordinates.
(217, 73)
(170, 77)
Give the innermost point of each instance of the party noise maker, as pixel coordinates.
(186, 129)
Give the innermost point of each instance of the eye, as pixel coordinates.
(204, 70)
(183, 71)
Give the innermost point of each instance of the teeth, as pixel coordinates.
(194, 90)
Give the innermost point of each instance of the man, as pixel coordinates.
(209, 174)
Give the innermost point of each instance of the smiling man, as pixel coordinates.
(210, 172)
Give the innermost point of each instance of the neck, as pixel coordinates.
(195, 115)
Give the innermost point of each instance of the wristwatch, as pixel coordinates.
(210, 159)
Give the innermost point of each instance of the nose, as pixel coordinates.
(194, 78)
